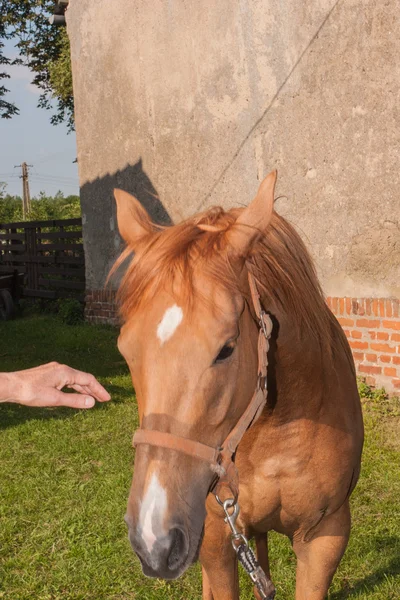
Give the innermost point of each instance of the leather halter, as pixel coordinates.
(221, 458)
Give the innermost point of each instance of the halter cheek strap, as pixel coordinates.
(221, 458)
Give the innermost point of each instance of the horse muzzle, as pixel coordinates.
(166, 556)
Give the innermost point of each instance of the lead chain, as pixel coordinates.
(245, 554)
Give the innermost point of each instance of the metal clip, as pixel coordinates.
(263, 325)
(231, 518)
(244, 553)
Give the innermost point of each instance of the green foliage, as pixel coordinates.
(10, 209)
(7, 109)
(44, 49)
(60, 70)
(377, 400)
(42, 208)
(70, 311)
(366, 391)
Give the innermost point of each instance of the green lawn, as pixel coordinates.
(65, 476)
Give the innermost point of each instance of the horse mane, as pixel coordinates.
(279, 260)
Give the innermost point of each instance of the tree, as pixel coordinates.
(42, 208)
(44, 48)
(7, 109)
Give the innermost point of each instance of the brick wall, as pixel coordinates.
(100, 307)
(372, 326)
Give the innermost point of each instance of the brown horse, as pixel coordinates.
(190, 339)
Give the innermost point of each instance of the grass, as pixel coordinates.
(65, 476)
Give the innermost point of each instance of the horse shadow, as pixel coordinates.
(389, 545)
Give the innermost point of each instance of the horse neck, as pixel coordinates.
(296, 370)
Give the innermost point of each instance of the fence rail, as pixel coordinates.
(48, 253)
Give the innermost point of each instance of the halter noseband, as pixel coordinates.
(221, 458)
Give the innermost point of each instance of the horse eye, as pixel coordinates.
(225, 352)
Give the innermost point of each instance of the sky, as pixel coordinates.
(30, 137)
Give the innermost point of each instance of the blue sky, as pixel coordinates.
(30, 137)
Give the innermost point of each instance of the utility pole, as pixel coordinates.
(26, 197)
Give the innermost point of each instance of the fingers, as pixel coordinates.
(71, 400)
(41, 386)
(87, 383)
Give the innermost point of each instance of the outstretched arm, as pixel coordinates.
(42, 386)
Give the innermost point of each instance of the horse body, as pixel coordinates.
(299, 463)
(190, 340)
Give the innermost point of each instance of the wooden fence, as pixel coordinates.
(48, 253)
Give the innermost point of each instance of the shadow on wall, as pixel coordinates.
(101, 239)
(132, 179)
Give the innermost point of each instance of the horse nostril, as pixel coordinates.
(179, 549)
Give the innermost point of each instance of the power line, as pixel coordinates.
(49, 157)
(58, 177)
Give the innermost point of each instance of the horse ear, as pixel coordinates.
(254, 219)
(133, 221)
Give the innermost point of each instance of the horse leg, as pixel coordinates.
(219, 562)
(262, 552)
(207, 593)
(318, 559)
(262, 557)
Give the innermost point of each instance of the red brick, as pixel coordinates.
(375, 306)
(371, 357)
(341, 305)
(389, 311)
(395, 337)
(348, 306)
(370, 369)
(386, 358)
(335, 305)
(382, 307)
(346, 322)
(372, 335)
(382, 335)
(367, 323)
(395, 307)
(390, 371)
(396, 360)
(368, 306)
(358, 345)
(356, 334)
(328, 300)
(396, 383)
(354, 306)
(370, 380)
(359, 356)
(392, 325)
(360, 307)
(383, 348)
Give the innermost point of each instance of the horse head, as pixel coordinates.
(190, 341)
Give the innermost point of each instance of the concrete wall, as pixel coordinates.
(188, 104)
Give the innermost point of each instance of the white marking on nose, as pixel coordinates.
(168, 324)
(153, 504)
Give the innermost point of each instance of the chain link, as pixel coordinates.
(243, 551)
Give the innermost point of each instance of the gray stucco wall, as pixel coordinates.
(193, 102)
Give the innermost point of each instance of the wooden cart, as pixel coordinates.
(10, 292)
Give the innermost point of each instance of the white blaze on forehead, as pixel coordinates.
(153, 504)
(168, 324)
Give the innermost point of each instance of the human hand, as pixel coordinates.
(41, 386)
